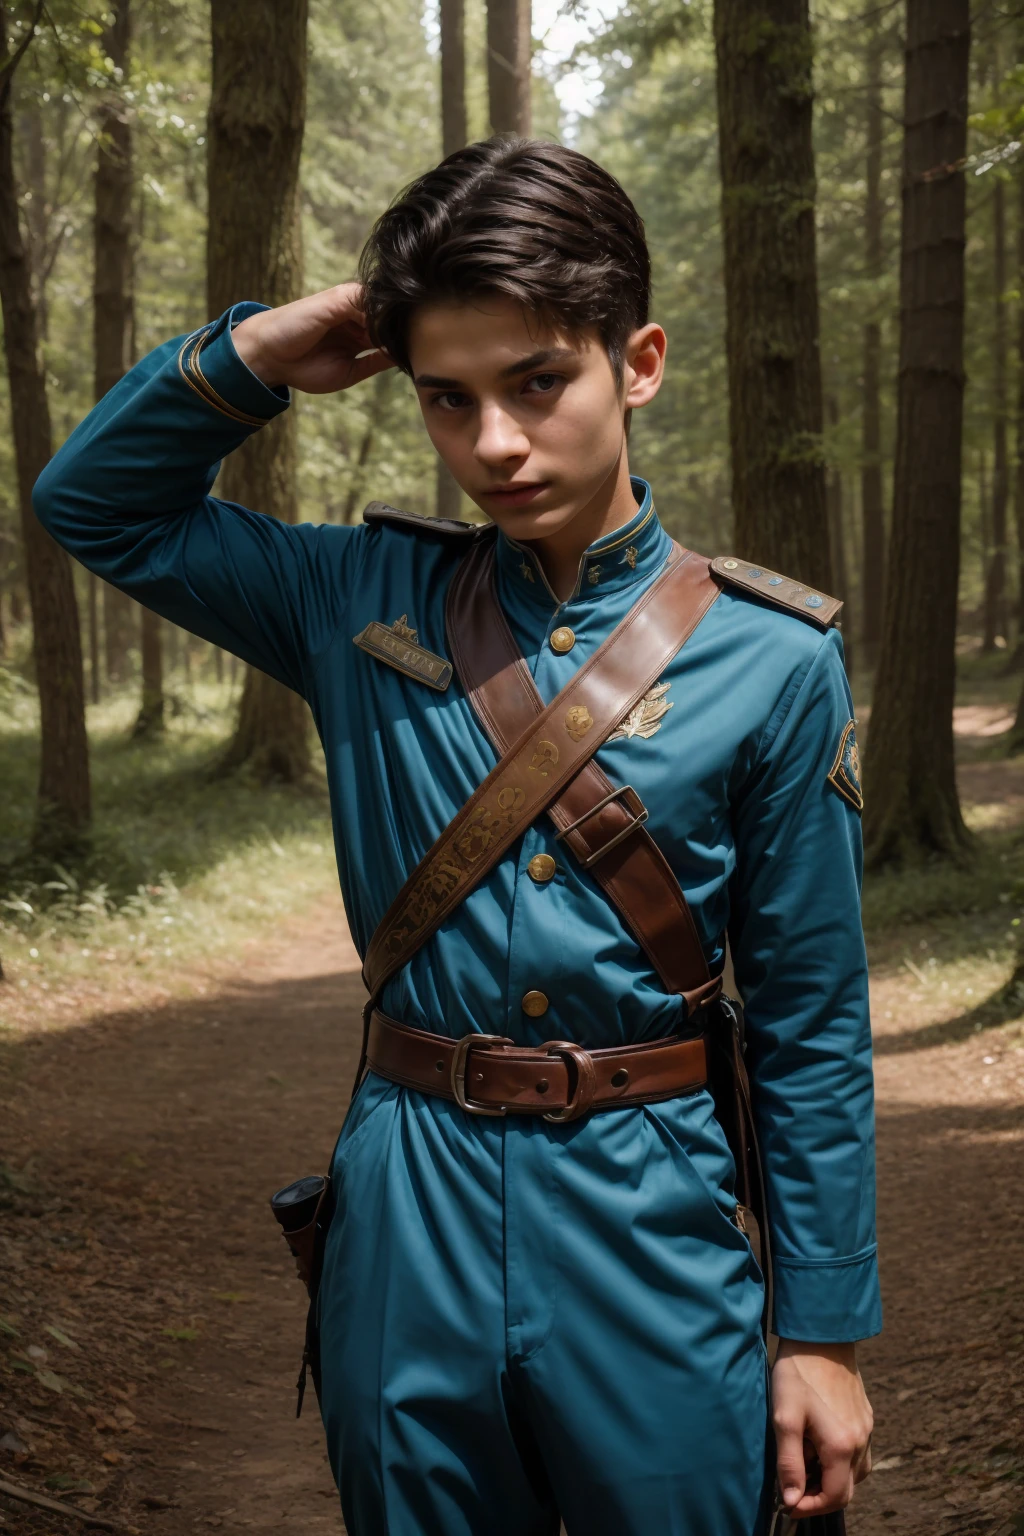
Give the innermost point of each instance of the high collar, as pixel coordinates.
(628, 556)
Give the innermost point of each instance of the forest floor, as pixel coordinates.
(150, 1317)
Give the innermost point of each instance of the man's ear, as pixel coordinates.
(644, 365)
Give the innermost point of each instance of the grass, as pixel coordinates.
(181, 865)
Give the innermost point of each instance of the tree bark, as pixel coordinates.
(93, 590)
(63, 804)
(454, 133)
(837, 538)
(765, 96)
(871, 492)
(112, 292)
(378, 406)
(257, 116)
(995, 576)
(1018, 477)
(150, 719)
(454, 128)
(508, 66)
(911, 804)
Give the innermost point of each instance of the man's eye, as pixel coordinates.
(451, 400)
(544, 382)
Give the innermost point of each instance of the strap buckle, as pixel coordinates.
(637, 810)
(460, 1064)
(584, 1088)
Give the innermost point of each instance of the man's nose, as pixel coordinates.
(500, 437)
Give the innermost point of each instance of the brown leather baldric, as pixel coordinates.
(549, 752)
(600, 823)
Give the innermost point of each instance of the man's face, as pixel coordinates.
(528, 420)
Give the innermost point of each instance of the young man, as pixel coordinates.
(552, 1312)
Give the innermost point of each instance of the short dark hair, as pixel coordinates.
(532, 220)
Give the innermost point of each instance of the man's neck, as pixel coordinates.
(612, 506)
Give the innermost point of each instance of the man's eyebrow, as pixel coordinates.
(523, 365)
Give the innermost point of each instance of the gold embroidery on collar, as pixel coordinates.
(630, 556)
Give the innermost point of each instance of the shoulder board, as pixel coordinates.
(433, 527)
(780, 591)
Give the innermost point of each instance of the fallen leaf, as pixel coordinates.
(61, 1337)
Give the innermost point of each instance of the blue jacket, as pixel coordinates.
(737, 773)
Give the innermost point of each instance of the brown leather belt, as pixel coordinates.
(490, 1075)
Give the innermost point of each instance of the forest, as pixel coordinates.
(833, 194)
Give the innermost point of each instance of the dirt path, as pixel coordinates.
(150, 1318)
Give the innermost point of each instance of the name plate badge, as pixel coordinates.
(399, 646)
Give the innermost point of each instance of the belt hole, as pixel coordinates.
(438, 1066)
(620, 1078)
(543, 1085)
(479, 1077)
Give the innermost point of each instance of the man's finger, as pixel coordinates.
(792, 1471)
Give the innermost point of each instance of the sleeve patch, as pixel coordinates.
(844, 774)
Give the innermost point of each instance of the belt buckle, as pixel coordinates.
(460, 1062)
(637, 812)
(586, 1079)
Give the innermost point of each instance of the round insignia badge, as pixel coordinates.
(814, 601)
(755, 572)
(775, 581)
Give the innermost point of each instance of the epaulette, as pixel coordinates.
(415, 522)
(781, 591)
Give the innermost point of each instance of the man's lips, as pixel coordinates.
(515, 495)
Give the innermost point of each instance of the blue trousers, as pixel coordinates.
(522, 1322)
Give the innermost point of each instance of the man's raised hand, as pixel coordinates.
(312, 344)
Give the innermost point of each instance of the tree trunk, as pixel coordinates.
(984, 514)
(911, 803)
(112, 286)
(257, 115)
(454, 129)
(1018, 478)
(378, 406)
(454, 133)
(871, 493)
(93, 589)
(765, 95)
(508, 66)
(150, 719)
(995, 577)
(63, 805)
(837, 538)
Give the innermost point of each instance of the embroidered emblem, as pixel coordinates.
(844, 774)
(399, 646)
(578, 721)
(645, 718)
(526, 570)
(545, 758)
(630, 556)
(594, 575)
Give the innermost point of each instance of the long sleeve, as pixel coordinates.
(799, 956)
(128, 495)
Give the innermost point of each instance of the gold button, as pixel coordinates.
(541, 867)
(535, 1003)
(562, 640)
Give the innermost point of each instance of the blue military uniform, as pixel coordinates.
(519, 1317)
